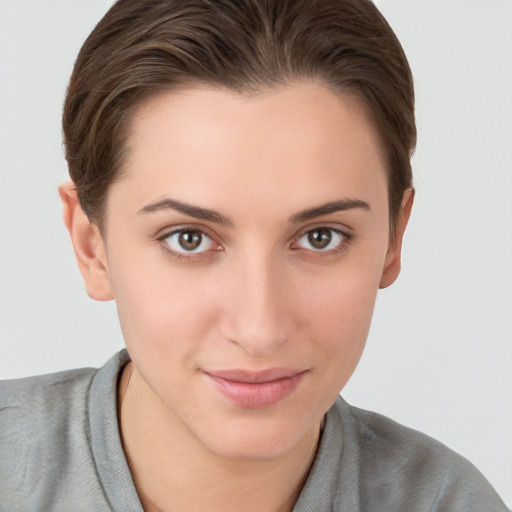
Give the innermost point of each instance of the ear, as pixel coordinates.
(87, 243)
(392, 263)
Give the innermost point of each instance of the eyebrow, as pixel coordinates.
(327, 208)
(193, 211)
(211, 215)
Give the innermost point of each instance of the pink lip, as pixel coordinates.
(256, 390)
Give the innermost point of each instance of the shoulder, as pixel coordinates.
(33, 403)
(26, 386)
(45, 442)
(413, 471)
(40, 417)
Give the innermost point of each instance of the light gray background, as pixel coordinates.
(439, 357)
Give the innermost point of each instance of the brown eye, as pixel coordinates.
(320, 238)
(189, 241)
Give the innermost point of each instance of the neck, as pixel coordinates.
(173, 471)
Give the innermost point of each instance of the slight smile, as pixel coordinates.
(256, 390)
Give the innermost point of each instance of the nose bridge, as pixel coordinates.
(258, 316)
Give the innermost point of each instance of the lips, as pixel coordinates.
(256, 390)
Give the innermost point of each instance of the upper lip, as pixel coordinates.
(255, 377)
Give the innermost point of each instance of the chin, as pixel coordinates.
(252, 450)
(256, 440)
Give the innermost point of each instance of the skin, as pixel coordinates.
(257, 295)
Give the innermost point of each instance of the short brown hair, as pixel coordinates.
(142, 48)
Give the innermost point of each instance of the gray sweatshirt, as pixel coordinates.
(60, 450)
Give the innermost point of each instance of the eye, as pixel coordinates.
(321, 239)
(188, 241)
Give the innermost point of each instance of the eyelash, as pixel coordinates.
(189, 256)
(342, 246)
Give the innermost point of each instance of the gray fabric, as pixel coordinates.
(60, 450)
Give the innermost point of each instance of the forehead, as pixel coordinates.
(216, 147)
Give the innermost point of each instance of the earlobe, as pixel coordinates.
(392, 263)
(87, 243)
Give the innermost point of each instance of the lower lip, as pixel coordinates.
(257, 395)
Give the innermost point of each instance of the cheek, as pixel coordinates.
(340, 316)
(165, 326)
(162, 311)
(338, 312)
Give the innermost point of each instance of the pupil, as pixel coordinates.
(320, 238)
(190, 240)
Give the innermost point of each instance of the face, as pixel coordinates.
(244, 246)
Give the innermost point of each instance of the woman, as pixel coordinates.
(241, 184)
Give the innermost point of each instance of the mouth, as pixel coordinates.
(256, 390)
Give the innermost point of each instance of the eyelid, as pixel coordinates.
(165, 233)
(170, 230)
(344, 231)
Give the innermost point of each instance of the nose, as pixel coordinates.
(257, 311)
